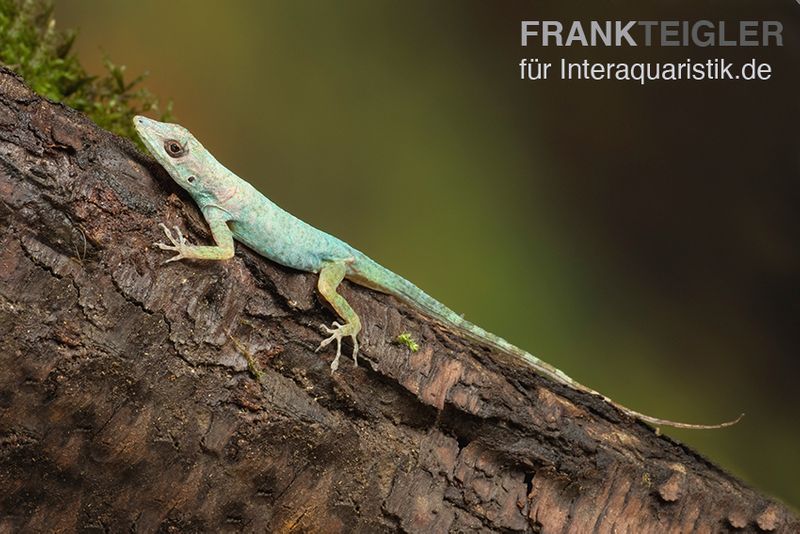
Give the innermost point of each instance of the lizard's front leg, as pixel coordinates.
(330, 277)
(221, 251)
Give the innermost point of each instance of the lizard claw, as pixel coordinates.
(330, 330)
(178, 243)
(338, 332)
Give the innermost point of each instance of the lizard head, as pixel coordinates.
(185, 159)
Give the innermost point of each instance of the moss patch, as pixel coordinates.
(31, 45)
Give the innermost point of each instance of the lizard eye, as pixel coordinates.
(174, 148)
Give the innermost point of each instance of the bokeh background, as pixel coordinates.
(643, 239)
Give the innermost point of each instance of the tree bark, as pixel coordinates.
(131, 398)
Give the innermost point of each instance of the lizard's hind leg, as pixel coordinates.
(330, 277)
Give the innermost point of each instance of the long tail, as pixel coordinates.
(368, 271)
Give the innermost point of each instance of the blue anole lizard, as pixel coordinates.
(235, 210)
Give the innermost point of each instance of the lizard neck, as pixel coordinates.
(220, 189)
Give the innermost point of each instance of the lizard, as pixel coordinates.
(236, 211)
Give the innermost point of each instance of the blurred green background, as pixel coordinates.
(642, 239)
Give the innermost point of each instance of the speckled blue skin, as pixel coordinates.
(234, 209)
(252, 218)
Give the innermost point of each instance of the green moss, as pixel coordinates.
(31, 45)
(406, 339)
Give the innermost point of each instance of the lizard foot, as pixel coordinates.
(338, 332)
(178, 245)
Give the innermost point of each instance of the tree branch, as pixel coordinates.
(187, 397)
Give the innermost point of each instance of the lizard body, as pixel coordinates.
(235, 210)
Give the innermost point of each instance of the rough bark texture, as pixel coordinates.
(127, 405)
